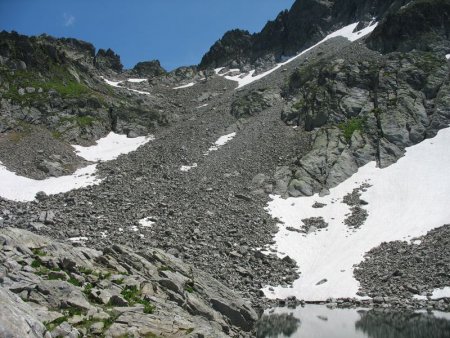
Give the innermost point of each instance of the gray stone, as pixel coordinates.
(17, 318)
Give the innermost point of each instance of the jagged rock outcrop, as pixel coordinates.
(234, 46)
(306, 23)
(107, 59)
(80, 291)
(148, 69)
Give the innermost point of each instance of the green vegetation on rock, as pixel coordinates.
(350, 126)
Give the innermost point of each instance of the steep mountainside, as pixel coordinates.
(307, 22)
(133, 252)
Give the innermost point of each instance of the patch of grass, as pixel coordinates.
(56, 134)
(74, 281)
(118, 281)
(53, 277)
(74, 311)
(36, 264)
(149, 308)
(189, 288)
(58, 321)
(133, 295)
(39, 252)
(108, 322)
(84, 270)
(104, 275)
(190, 330)
(58, 79)
(130, 294)
(350, 126)
(150, 335)
(81, 121)
(88, 288)
(298, 105)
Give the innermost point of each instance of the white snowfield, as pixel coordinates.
(220, 142)
(116, 84)
(111, 146)
(19, 188)
(406, 200)
(346, 32)
(436, 294)
(185, 86)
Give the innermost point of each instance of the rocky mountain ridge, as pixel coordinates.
(306, 23)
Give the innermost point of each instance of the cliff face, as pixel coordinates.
(306, 23)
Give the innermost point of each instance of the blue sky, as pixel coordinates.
(177, 32)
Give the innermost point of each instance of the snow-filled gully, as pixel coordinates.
(405, 200)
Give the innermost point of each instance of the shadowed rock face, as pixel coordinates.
(419, 25)
(306, 23)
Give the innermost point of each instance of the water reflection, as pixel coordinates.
(276, 325)
(382, 324)
(320, 322)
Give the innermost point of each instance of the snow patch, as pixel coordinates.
(203, 105)
(185, 86)
(346, 32)
(186, 168)
(116, 84)
(217, 70)
(113, 83)
(447, 56)
(436, 294)
(23, 189)
(111, 146)
(19, 188)
(136, 80)
(220, 142)
(78, 239)
(407, 199)
(146, 222)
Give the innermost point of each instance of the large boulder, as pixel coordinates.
(17, 318)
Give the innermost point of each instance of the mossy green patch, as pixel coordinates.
(350, 126)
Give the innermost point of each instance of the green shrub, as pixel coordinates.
(350, 126)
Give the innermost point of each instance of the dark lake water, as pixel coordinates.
(317, 321)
